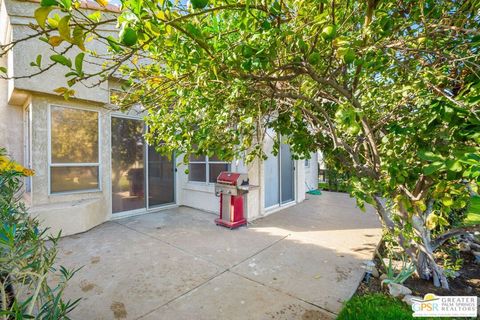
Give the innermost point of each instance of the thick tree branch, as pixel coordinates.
(452, 233)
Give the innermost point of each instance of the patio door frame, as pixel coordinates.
(147, 208)
(281, 204)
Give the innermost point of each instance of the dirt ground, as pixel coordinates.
(468, 283)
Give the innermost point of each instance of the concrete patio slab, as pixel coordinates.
(314, 273)
(327, 239)
(299, 263)
(194, 231)
(233, 297)
(126, 272)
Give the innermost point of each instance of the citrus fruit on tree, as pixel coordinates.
(199, 4)
(128, 37)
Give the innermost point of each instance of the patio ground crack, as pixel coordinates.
(170, 244)
(285, 293)
(211, 278)
(229, 269)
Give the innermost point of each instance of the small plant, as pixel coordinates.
(406, 271)
(27, 256)
(452, 261)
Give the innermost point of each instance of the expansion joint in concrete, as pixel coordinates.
(229, 269)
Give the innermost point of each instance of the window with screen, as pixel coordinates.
(206, 169)
(74, 150)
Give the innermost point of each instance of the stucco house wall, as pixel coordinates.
(11, 123)
(79, 211)
(74, 211)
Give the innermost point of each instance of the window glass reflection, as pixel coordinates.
(128, 187)
(74, 135)
(72, 178)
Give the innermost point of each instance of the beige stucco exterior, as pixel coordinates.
(79, 211)
(86, 209)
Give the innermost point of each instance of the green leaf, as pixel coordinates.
(71, 82)
(41, 15)
(199, 4)
(314, 58)
(421, 205)
(349, 56)
(61, 59)
(433, 168)
(429, 156)
(67, 4)
(432, 221)
(64, 28)
(454, 165)
(39, 60)
(66, 92)
(447, 201)
(96, 16)
(3, 70)
(53, 21)
(442, 221)
(79, 37)
(79, 62)
(48, 3)
(113, 44)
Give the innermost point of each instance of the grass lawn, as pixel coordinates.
(473, 216)
(375, 306)
(379, 306)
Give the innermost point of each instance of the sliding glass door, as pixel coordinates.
(287, 177)
(272, 177)
(279, 174)
(161, 179)
(138, 170)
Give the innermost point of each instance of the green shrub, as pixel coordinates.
(457, 215)
(473, 216)
(27, 256)
(334, 182)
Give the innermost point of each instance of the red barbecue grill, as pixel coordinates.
(231, 187)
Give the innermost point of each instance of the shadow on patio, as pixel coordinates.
(299, 263)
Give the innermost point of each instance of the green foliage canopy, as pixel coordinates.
(389, 90)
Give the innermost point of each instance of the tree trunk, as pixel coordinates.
(424, 260)
(428, 269)
(426, 265)
(423, 270)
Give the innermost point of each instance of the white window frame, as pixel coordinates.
(27, 144)
(307, 163)
(73, 164)
(207, 163)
